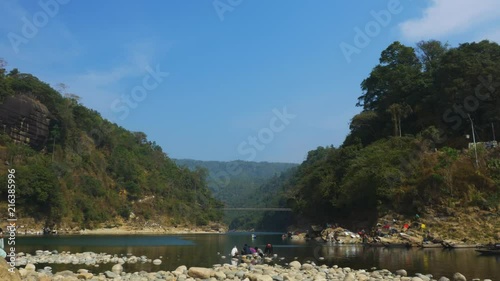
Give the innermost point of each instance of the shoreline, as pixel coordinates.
(123, 230)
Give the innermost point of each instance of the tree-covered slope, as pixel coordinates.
(407, 151)
(90, 171)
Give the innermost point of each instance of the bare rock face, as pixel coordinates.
(25, 119)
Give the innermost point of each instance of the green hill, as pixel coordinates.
(407, 151)
(75, 169)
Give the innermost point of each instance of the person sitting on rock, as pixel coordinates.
(268, 250)
(234, 252)
(259, 252)
(246, 250)
(252, 250)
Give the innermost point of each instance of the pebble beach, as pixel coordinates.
(28, 269)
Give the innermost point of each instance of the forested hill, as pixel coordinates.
(74, 168)
(407, 151)
(248, 184)
(238, 183)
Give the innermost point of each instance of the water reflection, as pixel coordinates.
(203, 249)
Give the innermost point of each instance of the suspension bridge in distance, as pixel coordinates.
(258, 209)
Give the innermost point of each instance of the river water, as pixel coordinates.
(207, 249)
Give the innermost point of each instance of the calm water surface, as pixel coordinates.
(202, 249)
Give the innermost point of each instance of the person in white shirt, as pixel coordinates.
(234, 252)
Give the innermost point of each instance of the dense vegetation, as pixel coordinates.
(406, 153)
(91, 171)
(407, 150)
(247, 184)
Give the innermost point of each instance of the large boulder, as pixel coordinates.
(459, 277)
(200, 272)
(117, 269)
(295, 265)
(401, 272)
(6, 274)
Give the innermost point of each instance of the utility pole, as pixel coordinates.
(474, 141)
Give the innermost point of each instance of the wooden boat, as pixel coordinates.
(488, 252)
(459, 246)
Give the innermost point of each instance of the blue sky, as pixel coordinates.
(227, 79)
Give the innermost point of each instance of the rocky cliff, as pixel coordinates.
(25, 120)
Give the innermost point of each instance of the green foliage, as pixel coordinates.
(92, 171)
(39, 193)
(421, 92)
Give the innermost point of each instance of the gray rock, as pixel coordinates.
(263, 278)
(200, 272)
(85, 275)
(30, 267)
(110, 274)
(180, 270)
(277, 278)
(295, 265)
(423, 277)
(307, 266)
(459, 277)
(443, 279)
(240, 274)
(220, 275)
(23, 272)
(117, 269)
(401, 272)
(350, 277)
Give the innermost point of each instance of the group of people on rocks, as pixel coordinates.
(390, 229)
(255, 251)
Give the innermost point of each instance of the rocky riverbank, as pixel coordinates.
(242, 272)
(30, 227)
(87, 258)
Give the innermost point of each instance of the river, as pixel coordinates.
(208, 249)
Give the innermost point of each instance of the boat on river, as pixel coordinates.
(448, 245)
(488, 252)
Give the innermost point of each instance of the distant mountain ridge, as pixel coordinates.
(233, 182)
(247, 184)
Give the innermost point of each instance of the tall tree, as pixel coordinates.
(398, 112)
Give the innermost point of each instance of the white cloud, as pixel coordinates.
(449, 17)
(100, 87)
